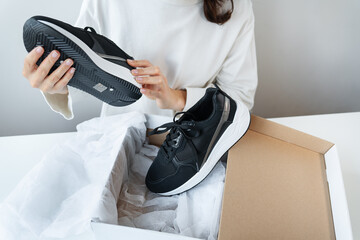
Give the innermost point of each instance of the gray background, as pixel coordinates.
(308, 62)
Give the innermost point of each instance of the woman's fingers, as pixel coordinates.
(54, 77)
(139, 63)
(150, 77)
(149, 80)
(39, 77)
(30, 61)
(61, 84)
(146, 68)
(152, 94)
(152, 70)
(45, 66)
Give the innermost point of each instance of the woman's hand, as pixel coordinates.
(38, 75)
(155, 86)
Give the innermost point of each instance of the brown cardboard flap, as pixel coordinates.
(276, 186)
(290, 135)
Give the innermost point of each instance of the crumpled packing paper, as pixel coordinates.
(99, 174)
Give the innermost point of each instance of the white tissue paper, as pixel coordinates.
(99, 174)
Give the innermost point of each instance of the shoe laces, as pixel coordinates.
(177, 127)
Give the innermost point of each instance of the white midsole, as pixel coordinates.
(230, 136)
(107, 66)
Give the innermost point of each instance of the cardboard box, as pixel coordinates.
(280, 184)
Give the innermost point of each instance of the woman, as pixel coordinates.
(182, 47)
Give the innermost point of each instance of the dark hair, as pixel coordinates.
(213, 11)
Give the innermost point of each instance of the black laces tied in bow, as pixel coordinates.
(177, 127)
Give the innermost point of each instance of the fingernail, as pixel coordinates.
(54, 54)
(138, 79)
(134, 71)
(142, 90)
(39, 49)
(68, 62)
(130, 60)
(72, 70)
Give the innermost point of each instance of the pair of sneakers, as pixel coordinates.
(195, 142)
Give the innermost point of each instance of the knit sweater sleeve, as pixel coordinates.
(238, 74)
(62, 103)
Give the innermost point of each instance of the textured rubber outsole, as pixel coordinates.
(112, 89)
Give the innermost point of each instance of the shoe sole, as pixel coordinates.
(233, 133)
(103, 79)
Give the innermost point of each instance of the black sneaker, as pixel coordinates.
(196, 142)
(101, 67)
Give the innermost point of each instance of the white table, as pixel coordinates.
(18, 154)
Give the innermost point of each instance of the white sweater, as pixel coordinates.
(191, 52)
